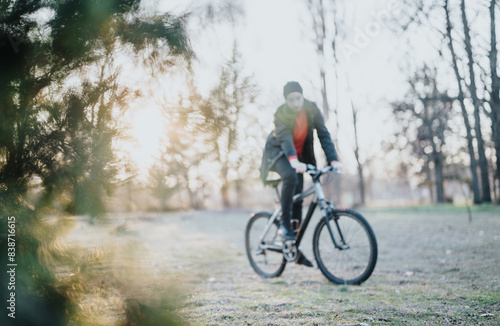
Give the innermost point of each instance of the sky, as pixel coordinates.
(275, 40)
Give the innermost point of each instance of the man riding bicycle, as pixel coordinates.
(289, 147)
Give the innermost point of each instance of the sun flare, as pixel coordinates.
(145, 128)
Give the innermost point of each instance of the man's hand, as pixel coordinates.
(337, 165)
(298, 166)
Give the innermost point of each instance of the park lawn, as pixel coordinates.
(434, 268)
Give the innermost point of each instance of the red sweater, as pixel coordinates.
(299, 133)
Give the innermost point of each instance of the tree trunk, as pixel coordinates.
(231, 141)
(437, 155)
(225, 193)
(483, 162)
(356, 154)
(326, 107)
(336, 36)
(429, 182)
(361, 184)
(193, 203)
(239, 192)
(337, 181)
(438, 174)
(437, 159)
(495, 98)
(470, 144)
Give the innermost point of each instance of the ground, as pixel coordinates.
(434, 268)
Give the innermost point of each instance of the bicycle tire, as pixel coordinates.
(362, 253)
(263, 268)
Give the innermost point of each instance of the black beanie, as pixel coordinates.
(291, 87)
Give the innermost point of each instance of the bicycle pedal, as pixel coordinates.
(290, 250)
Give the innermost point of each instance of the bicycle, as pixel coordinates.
(344, 245)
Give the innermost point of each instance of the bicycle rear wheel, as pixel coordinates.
(350, 265)
(266, 261)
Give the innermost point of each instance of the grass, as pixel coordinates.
(434, 268)
(435, 209)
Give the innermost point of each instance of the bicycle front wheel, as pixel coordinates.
(353, 260)
(264, 250)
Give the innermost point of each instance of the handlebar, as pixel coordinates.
(312, 170)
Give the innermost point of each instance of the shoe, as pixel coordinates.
(287, 233)
(295, 225)
(302, 260)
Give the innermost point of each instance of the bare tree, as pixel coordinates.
(494, 92)
(356, 146)
(483, 162)
(184, 149)
(337, 22)
(317, 10)
(424, 13)
(222, 113)
(427, 110)
(356, 155)
(360, 167)
(318, 13)
(461, 99)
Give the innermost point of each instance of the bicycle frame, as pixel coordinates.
(319, 198)
(310, 211)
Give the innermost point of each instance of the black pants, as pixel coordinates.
(293, 184)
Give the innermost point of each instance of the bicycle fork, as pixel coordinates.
(329, 215)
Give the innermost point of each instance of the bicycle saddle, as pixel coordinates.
(272, 182)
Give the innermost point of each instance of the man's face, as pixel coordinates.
(295, 101)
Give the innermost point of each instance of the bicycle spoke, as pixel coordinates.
(266, 262)
(351, 265)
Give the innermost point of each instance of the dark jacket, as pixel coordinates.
(280, 140)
